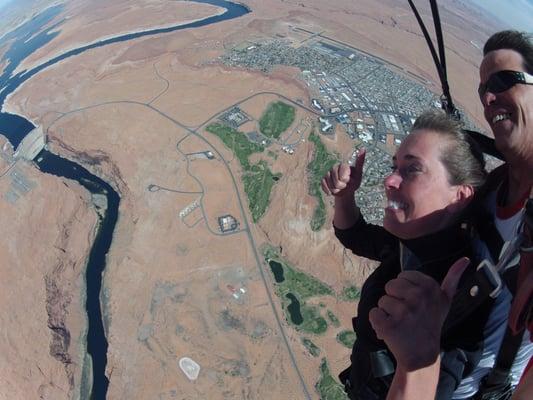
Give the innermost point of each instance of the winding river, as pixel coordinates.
(24, 40)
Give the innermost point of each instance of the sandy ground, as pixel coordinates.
(47, 235)
(84, 22)
(142, 107)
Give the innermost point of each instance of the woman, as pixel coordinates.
(435, 173)
(418, 361)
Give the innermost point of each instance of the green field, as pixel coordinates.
(313, 322)
(327, 387)
(311, 347)
(317, 168)
(258, 182)
(351, 293)
(237, 142)
(347, 338)
(258, 179)
(298, 282)
(276, 119)
(303, 287)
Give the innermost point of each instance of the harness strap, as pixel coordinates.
(522, 308)
(475, 290)
(478, 287)
(483, 221)
(498, 380)
(497, 384)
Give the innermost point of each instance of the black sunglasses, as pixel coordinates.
(503, 80)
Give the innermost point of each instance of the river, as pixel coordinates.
(24, 40)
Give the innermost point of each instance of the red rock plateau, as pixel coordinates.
(142, 107)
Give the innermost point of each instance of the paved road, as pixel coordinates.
(245, 223)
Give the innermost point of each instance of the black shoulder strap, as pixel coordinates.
(474, 291)
(484, 222)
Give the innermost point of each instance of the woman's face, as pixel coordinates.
(420, 200)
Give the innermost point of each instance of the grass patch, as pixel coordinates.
(311, 347)
(258, 183)
(302, 286)
(347, 338)
(273, 155)
(317, 168)
(333, 319)
(313, 321)
(351, 293)
(276, 119)
(257, 178)
(237, 142)
(297, 282)
(327, 387)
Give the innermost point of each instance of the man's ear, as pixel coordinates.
(463, 196)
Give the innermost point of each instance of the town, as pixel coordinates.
(372, 102)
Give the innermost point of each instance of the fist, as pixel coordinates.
(410, 316)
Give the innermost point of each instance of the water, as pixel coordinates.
(23, 41)
(27, 38)
(96, 339)
(277, 270)
(294, 309)
(18, 51)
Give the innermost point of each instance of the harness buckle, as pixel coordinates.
(493, 276)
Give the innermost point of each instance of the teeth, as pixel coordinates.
(500, 117)
(397, 205)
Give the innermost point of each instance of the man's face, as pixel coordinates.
(509, 113)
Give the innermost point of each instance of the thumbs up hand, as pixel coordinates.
(409, 317)
(342, 180)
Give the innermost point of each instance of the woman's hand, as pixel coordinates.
(343, 180)
(410, 316)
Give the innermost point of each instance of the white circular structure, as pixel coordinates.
(189, 367)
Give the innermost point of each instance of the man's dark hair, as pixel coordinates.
(521, 42)
(460, 155)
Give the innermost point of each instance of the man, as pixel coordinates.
(418, 304)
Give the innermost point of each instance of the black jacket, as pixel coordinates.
(433, 255)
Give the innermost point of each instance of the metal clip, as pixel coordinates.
(493, 276)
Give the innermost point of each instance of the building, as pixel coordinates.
(227, 223)
(325, 125)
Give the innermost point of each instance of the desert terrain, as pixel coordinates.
(143, 107)
(47, 239)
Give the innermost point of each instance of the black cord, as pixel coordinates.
(428, 40)
(486, 143)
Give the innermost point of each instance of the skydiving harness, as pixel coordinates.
(497, 384)
(489, 278)
(488, 282)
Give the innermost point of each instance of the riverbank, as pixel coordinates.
(80, 31)
(47, 236)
